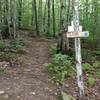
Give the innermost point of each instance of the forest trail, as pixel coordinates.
(26, 79)
(29, 81)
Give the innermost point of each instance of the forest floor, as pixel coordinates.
(27, 80)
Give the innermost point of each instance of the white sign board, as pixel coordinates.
(72, 34)
(81, 34)
(71, 28)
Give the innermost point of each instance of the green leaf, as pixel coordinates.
(86, 66)
(91, 80)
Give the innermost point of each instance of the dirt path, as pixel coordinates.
(29, 81)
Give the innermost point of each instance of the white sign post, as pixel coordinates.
(75, 31)
(75, 4)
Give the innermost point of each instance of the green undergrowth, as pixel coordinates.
(7, 56)
(91, 65)
(63, 66)
(2, 45)
(60, 67)
(2, 71)
(9, 53)
(91, 71)
(17, 45)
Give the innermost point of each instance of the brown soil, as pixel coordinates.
(27, 80)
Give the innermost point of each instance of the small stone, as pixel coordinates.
(33, 93)
(50, 90)
(2, 92)
(55, 93)
(18, 97)
(67, 85)
(7, 88)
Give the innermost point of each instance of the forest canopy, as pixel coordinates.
(47, 15)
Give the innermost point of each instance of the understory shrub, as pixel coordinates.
(93, 71)
(59, 68)
(53, 49)
(2, 45)
(16, 44)
(63, 65)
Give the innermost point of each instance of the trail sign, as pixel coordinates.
(71, 28)
(72, 34)
(77, 34)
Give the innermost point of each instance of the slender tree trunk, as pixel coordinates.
(14, 21)
(68, 13)
(63, 43)
(0, 12)
(86, 14)
(32, 20)
(6, 26)
(20, 13)
(53, 13)
(36, 21)
(1, 20)
(40, 17)
(11, 13)
(49, 4)
(44, 17)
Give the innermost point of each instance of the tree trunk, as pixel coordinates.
(20, 13)
(40, 20)
(0, 12)
(63, 43)
(49, 4)
(44, 16)
(5, 32)
(14, 21)
(53, 13)
(11, 13)
(35, 13)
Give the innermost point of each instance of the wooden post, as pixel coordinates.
(75, 4)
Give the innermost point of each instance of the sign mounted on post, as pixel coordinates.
(72, 34)
(71, 28)
(79, 35)
(75, 31)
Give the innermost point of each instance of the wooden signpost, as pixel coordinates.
(75, 31)
(72, 34)
(81, 34)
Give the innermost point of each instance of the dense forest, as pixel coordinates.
(37, 58)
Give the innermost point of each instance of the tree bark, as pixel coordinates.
(5, 32)
(44, 16)
(35, 12)
(14, 21)
(40, 17)
(49, 4)
(20, 13)
(53, 13)
(63, 43)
